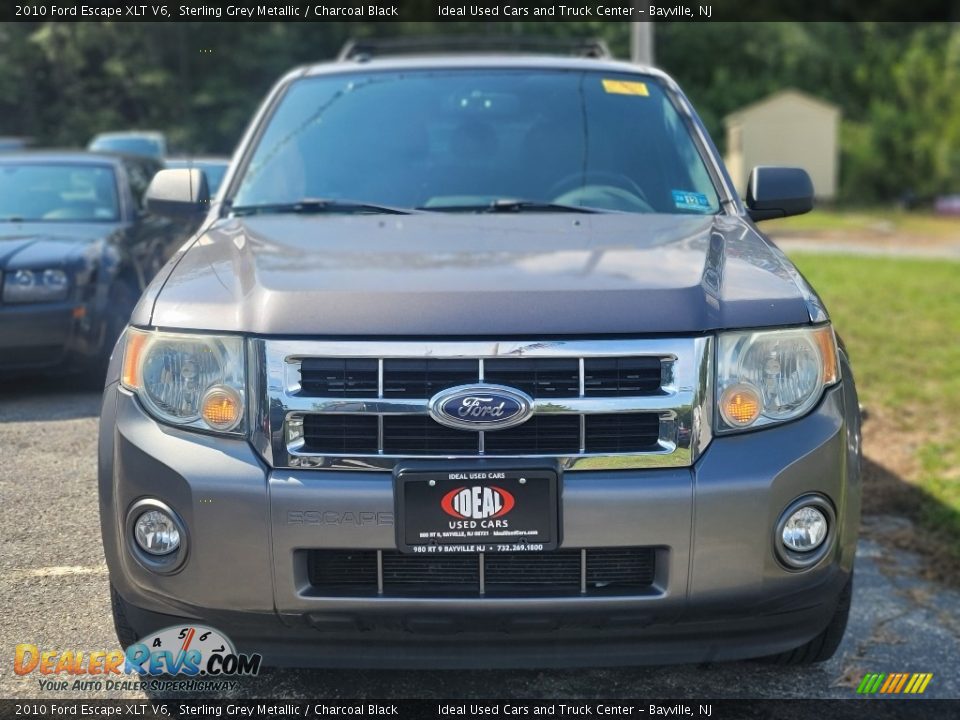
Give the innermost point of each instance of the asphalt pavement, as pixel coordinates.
(54, 585)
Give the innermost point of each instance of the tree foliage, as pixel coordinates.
(898, 84)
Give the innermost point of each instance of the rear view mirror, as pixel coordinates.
(776, 192)
(178, 193)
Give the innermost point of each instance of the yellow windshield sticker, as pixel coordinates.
(625, 87)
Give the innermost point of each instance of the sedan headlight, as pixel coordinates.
(26, 286)
(195, 381)
(771, 376)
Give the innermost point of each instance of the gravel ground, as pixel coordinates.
(54, 583)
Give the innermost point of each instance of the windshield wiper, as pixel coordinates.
(309, 206)
(507, 205)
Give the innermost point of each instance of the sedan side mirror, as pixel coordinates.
(178, 193)
(776, 192)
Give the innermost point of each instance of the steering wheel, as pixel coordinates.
(575, 181)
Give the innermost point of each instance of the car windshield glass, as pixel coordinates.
(458, 139)
(51, 192)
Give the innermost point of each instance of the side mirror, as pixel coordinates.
(776, 192)
(178, 193)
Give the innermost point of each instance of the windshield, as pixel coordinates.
(461, 139)
(34, 191)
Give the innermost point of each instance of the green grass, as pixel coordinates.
(900, 320)
(868, 223)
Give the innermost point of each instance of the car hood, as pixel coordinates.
(43, 244)
(479, 275)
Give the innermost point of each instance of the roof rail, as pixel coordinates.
(367, 48)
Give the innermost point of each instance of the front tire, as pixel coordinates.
(823, 646)
(125, 632)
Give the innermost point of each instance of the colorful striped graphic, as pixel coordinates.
(894, 683)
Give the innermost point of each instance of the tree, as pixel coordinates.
(898, 84)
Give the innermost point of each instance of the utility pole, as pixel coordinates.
(641, 42)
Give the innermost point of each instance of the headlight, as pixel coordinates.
(771, 376)
(190, 380)
(24, 286)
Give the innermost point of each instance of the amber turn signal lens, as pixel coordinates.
(827, 344)
(221, 408)
(132, 353)
(740, 405)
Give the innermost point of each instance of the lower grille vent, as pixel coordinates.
(607, 571)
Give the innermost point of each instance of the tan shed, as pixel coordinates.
(786, 128)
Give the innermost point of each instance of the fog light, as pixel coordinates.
(157, 533)
(805, 530)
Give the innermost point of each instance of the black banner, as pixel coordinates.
(858, 709)
(477, 10)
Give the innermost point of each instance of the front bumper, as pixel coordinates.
(43, 335)
(720, 592)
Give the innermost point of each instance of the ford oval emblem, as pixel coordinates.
(481, 407)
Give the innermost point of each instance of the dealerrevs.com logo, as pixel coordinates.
(188, 657)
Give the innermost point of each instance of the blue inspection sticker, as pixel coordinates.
(686, 200)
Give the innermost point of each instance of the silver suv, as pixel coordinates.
(481, 361)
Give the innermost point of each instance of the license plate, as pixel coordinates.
(471, 510)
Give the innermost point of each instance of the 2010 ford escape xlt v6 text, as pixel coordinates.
(481, 361)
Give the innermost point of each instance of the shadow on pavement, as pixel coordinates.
(38, 398)
(903, 514)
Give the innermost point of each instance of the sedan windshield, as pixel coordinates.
(476, 140)
(51, 192)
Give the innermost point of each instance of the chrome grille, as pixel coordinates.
(424, 378)
(538, 377)
(416, 435)
(597, 404)
(341, 433)
(339, 377)
(540, 435)
(419, 435)
(621, 377)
